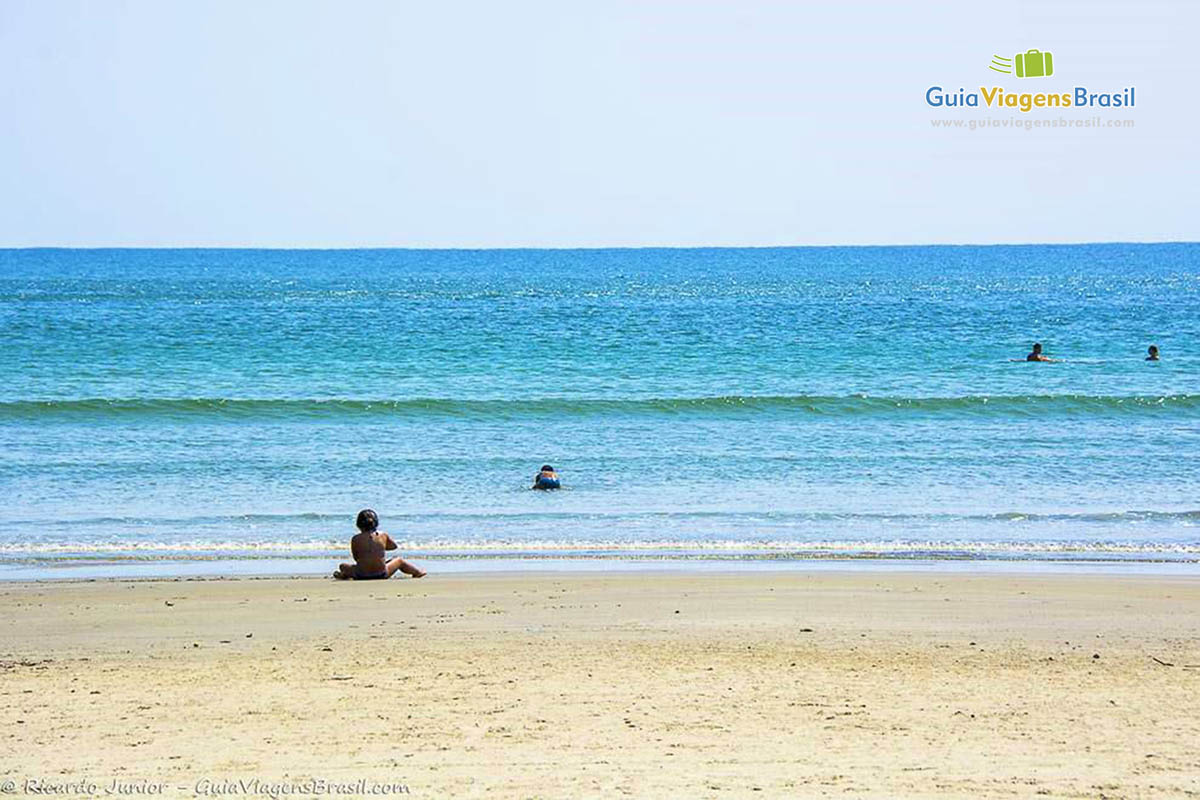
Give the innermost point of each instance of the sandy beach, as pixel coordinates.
(586, 685)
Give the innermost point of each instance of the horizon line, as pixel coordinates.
(466, 248)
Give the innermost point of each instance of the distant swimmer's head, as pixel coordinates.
(1153, 351)
(368, 521)
(546, 478)
(1037, 348)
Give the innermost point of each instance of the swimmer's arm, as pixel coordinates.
(388, 543)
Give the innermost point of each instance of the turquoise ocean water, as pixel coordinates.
(763, 404)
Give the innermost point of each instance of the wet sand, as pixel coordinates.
(580, 685)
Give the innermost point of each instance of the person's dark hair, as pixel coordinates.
(368, 521)
(547, 468)
(1153, 348)
(1037, 346)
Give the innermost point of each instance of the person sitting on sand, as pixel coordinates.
(1153, 351)
(546, 479)
(1036, 355)
(368, 547)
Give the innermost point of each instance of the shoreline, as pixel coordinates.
(785, 683)
(268, 567)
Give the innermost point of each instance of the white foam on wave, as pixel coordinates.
(611, 548)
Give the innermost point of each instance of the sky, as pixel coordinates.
(585, 124)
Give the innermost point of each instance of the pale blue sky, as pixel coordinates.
(443, 124)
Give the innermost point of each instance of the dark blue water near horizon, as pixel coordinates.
(758, 403)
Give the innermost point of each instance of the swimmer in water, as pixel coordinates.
(546, 479)
(1153, 351)
(368, 547)
(1036, 355)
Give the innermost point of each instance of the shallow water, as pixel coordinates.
(771, 404)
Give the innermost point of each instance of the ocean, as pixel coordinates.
(217, 407)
